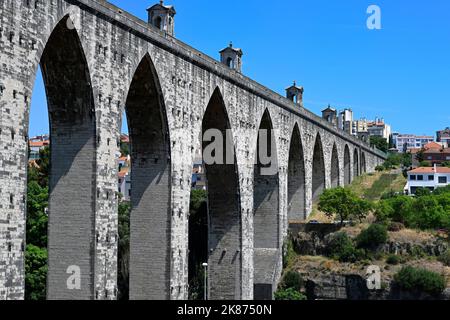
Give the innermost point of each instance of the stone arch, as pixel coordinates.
(150, 218)
(266, 208)
(296, 178)
(363, 163)
(355, 163)
(318, 169)
(334, 167)
(347, 166)
(158, 22)
(224, 219)
(266, 188)
(71, 239)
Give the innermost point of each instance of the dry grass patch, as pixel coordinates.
(410, 235)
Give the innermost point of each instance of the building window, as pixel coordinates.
(412, 178)
(442, 179)
(420, 178)
(431, 178)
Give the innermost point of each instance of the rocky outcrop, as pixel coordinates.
(354, 287)
(431, 247)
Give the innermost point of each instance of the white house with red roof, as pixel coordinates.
(427, 177)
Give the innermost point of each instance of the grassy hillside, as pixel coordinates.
(373, 185)
(370, 186)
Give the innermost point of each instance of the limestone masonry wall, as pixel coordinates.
(100, 48)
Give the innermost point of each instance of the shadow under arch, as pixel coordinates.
(356, 170)
(347, 167)
(318, 169)
(296, 178)
(150, 219)
(266, 209)
(334, 167)
(363, 163)
(224, 218)
(72, 183)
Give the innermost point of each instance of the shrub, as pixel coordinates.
(421, 192)
(410, 278)
(393, 259)
(379, 168)
(292, 280)
(396, 226)
(424, 164)
(428, 213)
(372, 237)
(445, 258)
(341, 248)
(289, 294)
(288, 252)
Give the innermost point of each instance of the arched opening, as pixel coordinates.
(266, 209)
(296, 179)
(355, 164)
(334, 168)
(158, 23)
(230, 63)
(36, 254)
(124, 205)
(67, 169)
(363, 163)
(224, 226)
(347, 167)
(318, 169)
(198, 229)
(149, 275)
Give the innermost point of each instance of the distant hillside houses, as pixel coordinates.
(36, 144)
(433, 153)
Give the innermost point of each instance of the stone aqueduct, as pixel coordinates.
(98, 61)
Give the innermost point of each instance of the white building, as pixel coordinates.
(427, 177)
(345, 120)
(124, 181)
(379, 128)
(411, 141)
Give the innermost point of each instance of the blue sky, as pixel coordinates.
(400, 73)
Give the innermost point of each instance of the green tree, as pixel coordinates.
(343, 203)
(379, 142)
(124, 148)
(421, 192)
(37, 218)
(124, 250)
(35, 273)
(420, 155)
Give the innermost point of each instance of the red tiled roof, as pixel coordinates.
(430, 170)
(38, 144)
